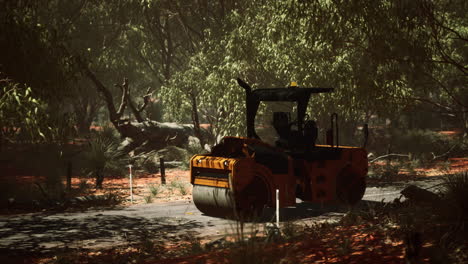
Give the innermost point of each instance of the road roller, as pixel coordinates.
(240, 175)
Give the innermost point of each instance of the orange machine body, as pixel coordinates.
(234, 166)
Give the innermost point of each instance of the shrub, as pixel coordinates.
(110, 133)
(148, 199)
(387, 172)
(148, 161)
(420, 143)
(291, 230)
(172, 153)
(178, 185)
(108, 199)
(103, 157)
(155, 189)
(456, 190)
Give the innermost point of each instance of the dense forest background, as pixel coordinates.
(93, 89)
(394, 64)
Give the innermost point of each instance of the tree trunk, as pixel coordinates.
(146, 133)
(196, 120)
(99, 178)
(83, 122)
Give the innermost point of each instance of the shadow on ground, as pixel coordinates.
(44, 234)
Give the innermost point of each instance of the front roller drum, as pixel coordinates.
(221, 202)
(214, 201)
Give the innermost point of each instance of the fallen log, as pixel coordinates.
(419, 195)
(150, 133)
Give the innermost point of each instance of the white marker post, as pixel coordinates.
(277, 208)
(131, 184)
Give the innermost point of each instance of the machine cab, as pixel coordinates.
(293, 132)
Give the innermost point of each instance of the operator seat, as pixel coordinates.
(310, 134)
(282, 126)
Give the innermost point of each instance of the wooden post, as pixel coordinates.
(69, 173)
(163, 171)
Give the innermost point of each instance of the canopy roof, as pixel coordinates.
(291, 94)
(286, 94)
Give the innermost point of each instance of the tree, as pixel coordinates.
(378, 55)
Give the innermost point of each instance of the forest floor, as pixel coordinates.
(371, 235)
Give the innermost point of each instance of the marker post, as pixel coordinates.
(131, 183)
(277, 208)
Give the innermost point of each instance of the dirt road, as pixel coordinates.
(167, 222)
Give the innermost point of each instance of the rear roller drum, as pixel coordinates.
(350, 187)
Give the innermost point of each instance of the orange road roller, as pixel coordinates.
(240, 175)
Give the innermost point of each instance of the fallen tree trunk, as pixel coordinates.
(418, 195)
(153, 135)
(144, 133)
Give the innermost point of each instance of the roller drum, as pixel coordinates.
(214, 201)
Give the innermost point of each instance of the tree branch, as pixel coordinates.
(389, 155)
(146, 99)
(114, 116)
(132, 107)
(434, 157)
(125, 93)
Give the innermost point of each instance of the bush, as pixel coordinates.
(155, 189)
(421, 144)
(148, 198)
(173, 153)
(148, 161)
(178, 185)
(456, 190)
(387, 172)
(103, 158)
(110, 133)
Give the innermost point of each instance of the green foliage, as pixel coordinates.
(148, 161)
(412, 165)
(109, 133)
(108, 199)
(456, 188)
(103, 158)
(21, 114)
(155, 189)
(148, 198)
(383, 57)
(82, 186)
(173, 153)
(291, 230)
(387, 172)
(26, 118)
(180, 186)
(44, 164)
(347, 45)
(32, 46)
(420, 143)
